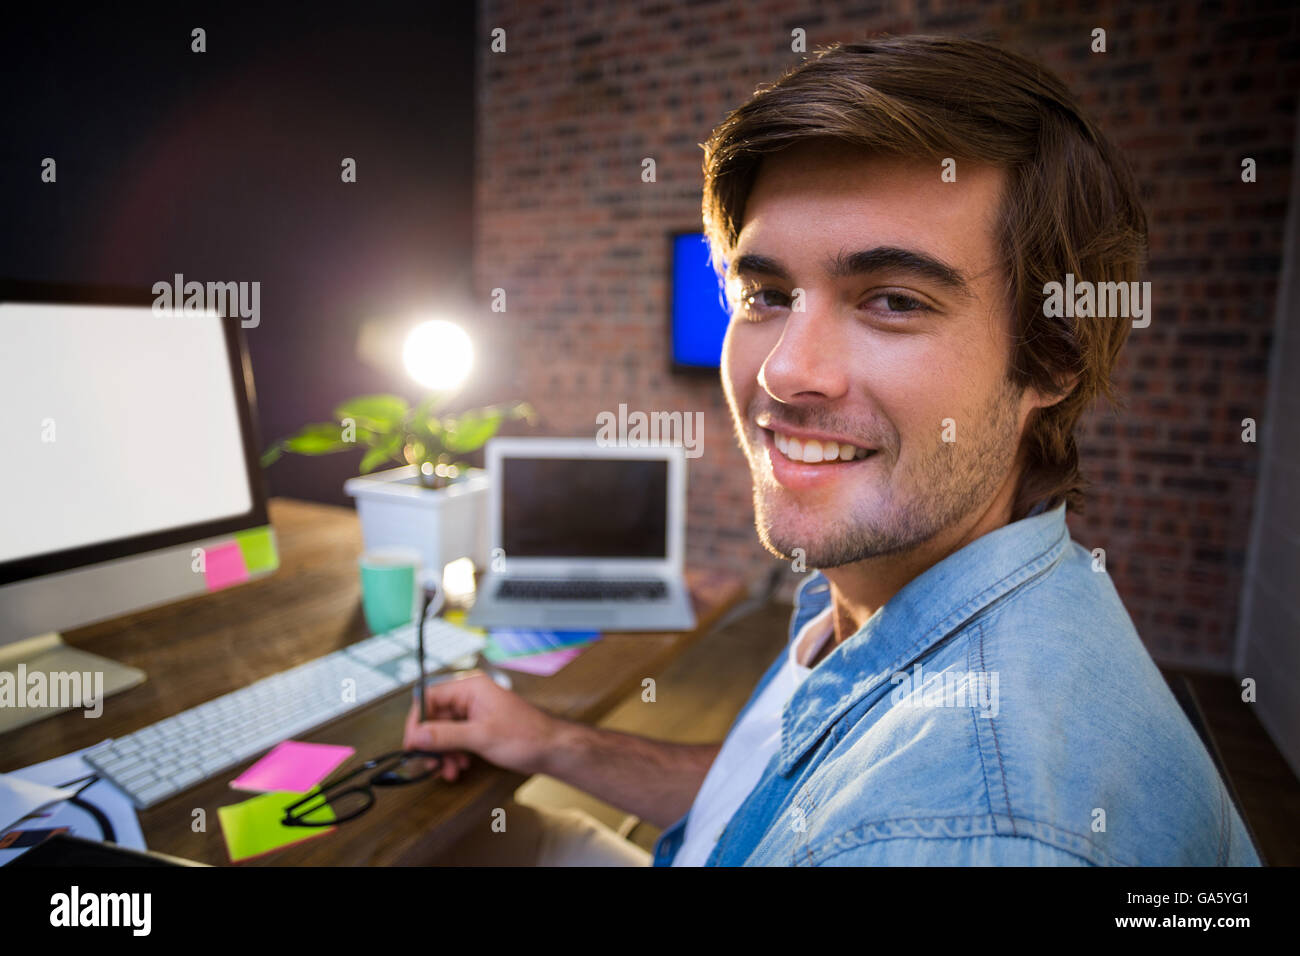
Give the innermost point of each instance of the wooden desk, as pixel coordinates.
(197, 649)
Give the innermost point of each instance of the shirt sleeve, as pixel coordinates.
(955, 851)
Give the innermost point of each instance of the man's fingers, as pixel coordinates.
(412, 722)
(456, 692)
(448, 727)
(441, 735)
(445, 730)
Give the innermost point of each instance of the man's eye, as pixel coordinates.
(898, 304)
(758, 302)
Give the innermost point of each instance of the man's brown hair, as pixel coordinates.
(1070, 205)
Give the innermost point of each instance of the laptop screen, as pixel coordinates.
(584, 508)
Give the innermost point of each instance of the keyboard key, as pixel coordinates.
(575, 589)
(184, 778)
(156, 792)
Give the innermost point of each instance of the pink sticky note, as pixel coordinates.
(292, 766)
(224, 566)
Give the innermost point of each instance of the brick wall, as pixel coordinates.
(565, 225)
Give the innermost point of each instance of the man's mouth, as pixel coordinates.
(814, 451)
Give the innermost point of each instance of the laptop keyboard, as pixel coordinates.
(570, 589)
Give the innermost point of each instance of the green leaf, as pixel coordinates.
(428, 431)
(469, 431)
(382, 453)
(271, 454)
(523, 410)
(317, 439)
(376, 412)
(372, 439)
(432, 402)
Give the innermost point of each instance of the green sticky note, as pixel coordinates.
(258, 548)
(253, 827)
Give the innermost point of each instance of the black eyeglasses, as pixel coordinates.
(336, 802)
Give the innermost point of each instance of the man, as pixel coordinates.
(962, 684)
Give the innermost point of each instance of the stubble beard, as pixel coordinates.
(949, 482)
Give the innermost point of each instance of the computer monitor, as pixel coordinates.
(547, 494)
(131, 477)
(698, 314)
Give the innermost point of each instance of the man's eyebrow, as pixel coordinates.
(879, 259)
(752, 263)
(894, 259)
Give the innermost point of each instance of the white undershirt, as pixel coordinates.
(748, 748)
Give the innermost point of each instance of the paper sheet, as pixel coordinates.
(112, 802)
(19, 797)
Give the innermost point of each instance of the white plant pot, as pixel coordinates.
(443, 524)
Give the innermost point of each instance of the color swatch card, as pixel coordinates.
(542, 665)
(292, 766)
(537, 652)
(505, 643)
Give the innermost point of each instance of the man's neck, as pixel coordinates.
(860, 589)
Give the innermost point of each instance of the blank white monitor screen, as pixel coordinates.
(121, 422)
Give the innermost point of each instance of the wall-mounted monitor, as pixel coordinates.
(698, 314)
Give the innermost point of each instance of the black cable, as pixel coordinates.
(105, 826)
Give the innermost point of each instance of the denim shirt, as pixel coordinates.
(1000, 709)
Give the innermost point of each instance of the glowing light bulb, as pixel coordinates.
(458, 580)
(438, 354)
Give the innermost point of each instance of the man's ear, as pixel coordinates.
(1065, 384)
(1033, 399)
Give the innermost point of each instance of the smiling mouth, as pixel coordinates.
(814, 452)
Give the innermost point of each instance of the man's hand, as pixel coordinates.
(472, 714)
(653, 779)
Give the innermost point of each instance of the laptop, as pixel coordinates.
(584, 537)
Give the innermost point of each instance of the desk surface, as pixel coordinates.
(199, 648)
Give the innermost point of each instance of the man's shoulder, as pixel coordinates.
(1041, 729)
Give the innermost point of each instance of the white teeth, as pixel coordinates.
(813, 451)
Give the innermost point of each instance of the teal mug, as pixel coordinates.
(390, 587)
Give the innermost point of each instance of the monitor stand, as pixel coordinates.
(47, 673)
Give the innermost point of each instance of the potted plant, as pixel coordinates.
(433, 501)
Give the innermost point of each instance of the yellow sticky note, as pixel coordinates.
(254, 828)
(258, 548)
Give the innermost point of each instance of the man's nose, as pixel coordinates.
(810, 360)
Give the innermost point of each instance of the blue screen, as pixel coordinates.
(699, 313)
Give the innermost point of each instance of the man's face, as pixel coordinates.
(904, 339)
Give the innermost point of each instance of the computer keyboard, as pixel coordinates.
(163, 759)
(579, 589)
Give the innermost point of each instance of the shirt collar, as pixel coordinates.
(930, 607)
(810, 638)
